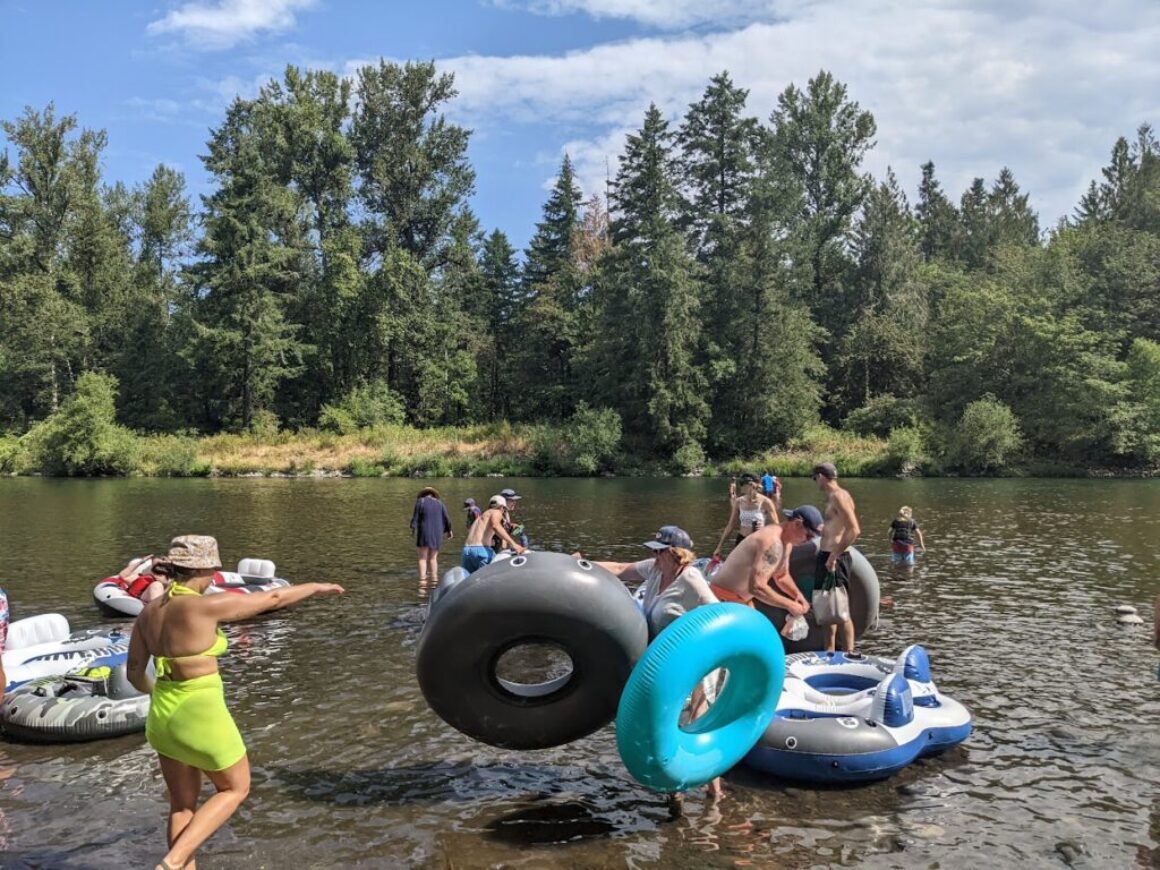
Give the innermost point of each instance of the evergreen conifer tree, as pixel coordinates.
(651, 324)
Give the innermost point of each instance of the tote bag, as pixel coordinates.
(831, 603)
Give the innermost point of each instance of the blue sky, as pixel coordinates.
(1044, 86)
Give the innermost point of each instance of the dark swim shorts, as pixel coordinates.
(845, 563)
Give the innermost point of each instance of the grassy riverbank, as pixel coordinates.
(499, 449)
(477, 451)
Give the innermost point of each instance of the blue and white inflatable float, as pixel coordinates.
(42, 646)
(848, 718)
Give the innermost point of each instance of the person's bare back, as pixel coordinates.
(759, 565)
(754, 560)
(484, 527)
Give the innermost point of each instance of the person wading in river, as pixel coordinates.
(487, 528)
(839, 532)
(189, 725)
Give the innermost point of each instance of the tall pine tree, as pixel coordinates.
(651, 324)
(545, 355)
(244, 346)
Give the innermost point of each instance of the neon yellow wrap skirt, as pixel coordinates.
(189, 722)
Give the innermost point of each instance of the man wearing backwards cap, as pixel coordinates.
(476, 553)
(839, 533)
(758, 567)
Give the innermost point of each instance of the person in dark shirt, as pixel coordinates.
(903, 530)
(431, 524)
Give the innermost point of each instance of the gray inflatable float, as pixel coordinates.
(541, 606)
(864, 595)
(96, 702)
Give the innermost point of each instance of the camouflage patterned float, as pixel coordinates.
(94, 702)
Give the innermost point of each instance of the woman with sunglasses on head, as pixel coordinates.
(189, 724)
(749, 511)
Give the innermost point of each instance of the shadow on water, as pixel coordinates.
(548, 823)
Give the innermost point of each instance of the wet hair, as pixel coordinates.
(428, 490)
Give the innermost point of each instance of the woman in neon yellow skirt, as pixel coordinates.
(189, 724)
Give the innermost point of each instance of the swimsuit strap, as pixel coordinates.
(162, 664)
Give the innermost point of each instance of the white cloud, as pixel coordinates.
(222, 24)
(158, 108)
(666, 14)
(595, 161)
(1044, 87)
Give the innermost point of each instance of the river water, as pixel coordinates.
(1013, 601)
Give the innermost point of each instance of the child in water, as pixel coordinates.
(903, 529)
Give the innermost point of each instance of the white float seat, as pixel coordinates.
(256, 569)
(45, 628)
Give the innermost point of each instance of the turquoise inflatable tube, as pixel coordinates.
(655, 748)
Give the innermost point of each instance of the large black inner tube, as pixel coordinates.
(530, 652)
(863, 593)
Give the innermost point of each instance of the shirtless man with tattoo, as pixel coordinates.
(758, 567)
(839, 533)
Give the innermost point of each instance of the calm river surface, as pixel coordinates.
(1013, 601)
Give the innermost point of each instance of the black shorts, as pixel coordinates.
(845, 563)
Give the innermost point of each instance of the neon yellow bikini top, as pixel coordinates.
(162, 664)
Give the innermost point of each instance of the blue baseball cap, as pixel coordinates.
(670, 536)
(810, 516)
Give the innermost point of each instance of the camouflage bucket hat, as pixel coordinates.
(193, 551)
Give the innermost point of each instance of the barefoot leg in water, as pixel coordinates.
(232, 785)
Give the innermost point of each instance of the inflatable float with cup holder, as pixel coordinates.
(848, 718)
(119, 596)
(89, 703)
(42, 646)
(529, 652)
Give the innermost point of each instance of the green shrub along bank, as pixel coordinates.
(364, 438)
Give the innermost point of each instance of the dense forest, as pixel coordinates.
(738, 282)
